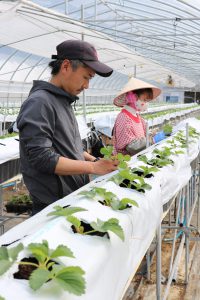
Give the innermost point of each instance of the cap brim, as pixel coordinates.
(100, 68)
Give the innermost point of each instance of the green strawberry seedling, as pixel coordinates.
(144, 171)
(167, 128)
(123, 159)
(193, 132)
(94, 228)
(46, 266)
(125, 178)
(156, 162)
(108, 198)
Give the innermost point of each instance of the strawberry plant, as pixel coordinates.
(108, 198)
(165, 153)
(44, 265)
(193, 132)
(167, 128)
(144, 171)
(125, 178)
(180, 137)
(100, 227)
(173, 145)
(157, 162)
(107, 152)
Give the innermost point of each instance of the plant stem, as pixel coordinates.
(90, 231)
(27, 263)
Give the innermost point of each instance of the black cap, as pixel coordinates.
(85, 52)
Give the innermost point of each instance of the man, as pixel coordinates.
(53, 163)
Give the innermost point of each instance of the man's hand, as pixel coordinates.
(104, 166)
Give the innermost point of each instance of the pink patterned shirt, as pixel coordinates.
(127, 128)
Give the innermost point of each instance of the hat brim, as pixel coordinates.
(100, 68)
(132, 85)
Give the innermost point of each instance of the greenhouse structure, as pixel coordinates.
(128, 232)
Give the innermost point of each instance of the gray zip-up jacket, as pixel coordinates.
(48, 129)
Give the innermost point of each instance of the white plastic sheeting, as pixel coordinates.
(99, 257)
(9, 150)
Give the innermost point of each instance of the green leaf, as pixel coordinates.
(2, 298)
(122, 165)
(71, 279)
(62, 250)
(4, 266)
(87, 194)
(67, 211)
(38, 278)
(142, 158)
(125, 201)
(107, 152)
(127, 157)
(39, 250)
(147, 186)
(97, 225)
(110, 196)
(3, 253)
(113, 225)
(8, 257)
(179, 152)
(120, 156)
(127, 175)
(74, 221)
(99, 191)
(115, 204)
(14, 251)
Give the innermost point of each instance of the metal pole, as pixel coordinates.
(158, 262)
(175, 233)
(148, 264)
(1, 200)
(187, 137)
(186, 235)
(82, 13)
(135, 70)
(95, 12)
(84, 92)
(66, 7)
(198, 195)
(147, 135)
(169, 220)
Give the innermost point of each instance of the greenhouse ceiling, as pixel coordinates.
(153, 40)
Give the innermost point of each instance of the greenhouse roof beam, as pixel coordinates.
(26, 57)
(144, 20)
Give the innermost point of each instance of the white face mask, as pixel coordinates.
(141, 105)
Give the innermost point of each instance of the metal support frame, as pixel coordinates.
(184, 205)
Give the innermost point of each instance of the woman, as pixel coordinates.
(129, 132)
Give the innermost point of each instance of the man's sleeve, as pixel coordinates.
(36, 124)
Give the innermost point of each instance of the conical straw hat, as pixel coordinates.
(132, 85)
